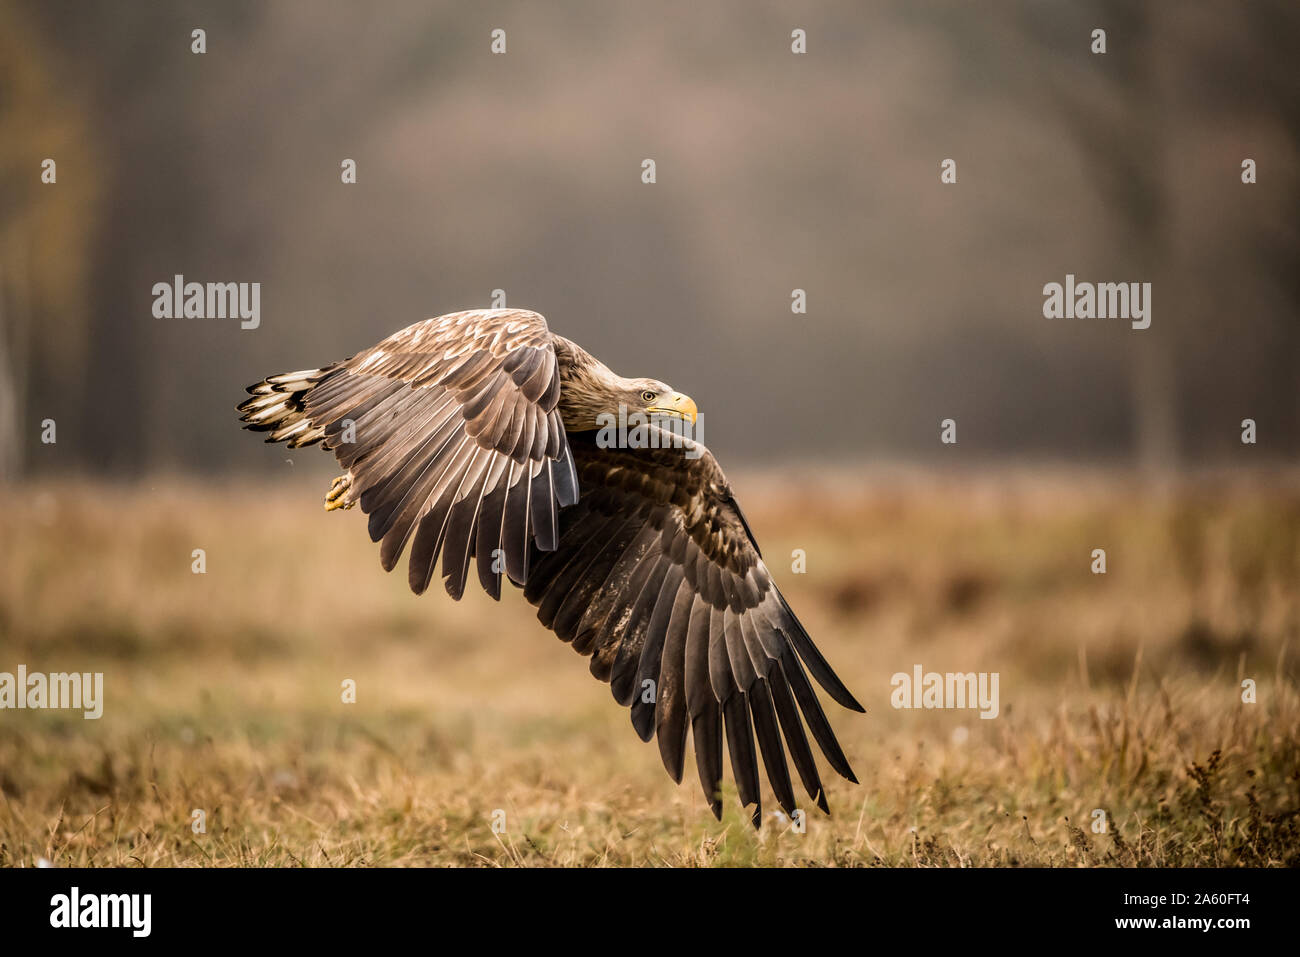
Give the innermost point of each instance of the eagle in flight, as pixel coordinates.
(478, 436)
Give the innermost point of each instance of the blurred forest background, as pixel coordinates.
(775, 172)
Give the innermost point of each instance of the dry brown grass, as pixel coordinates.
(1119, 692)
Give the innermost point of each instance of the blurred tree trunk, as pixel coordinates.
(1154, 380)
(1124, 135)
(1113, 106)
(1155, 409)
(44, 230)
(12, 364)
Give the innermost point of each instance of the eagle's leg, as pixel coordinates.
(336, 497)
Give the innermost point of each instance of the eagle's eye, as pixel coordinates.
(648, 396)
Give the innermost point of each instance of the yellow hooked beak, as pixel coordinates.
(679, 406)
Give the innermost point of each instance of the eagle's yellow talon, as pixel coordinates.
(336, 497)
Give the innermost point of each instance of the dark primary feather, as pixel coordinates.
(657, 576)
(641, 558)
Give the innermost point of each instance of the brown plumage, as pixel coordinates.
(474, 436)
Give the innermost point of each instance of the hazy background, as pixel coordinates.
(775, 171)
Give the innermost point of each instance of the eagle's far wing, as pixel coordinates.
(451, 437)
(657, 577)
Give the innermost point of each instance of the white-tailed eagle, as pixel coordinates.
(475, 436)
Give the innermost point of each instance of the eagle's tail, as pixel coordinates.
(277, 407)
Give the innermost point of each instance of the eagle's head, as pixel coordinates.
(658, 398)
(602, 392)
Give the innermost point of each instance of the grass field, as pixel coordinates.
(1120, 693)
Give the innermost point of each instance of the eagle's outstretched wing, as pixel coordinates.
(659, 580)
(451, 437)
